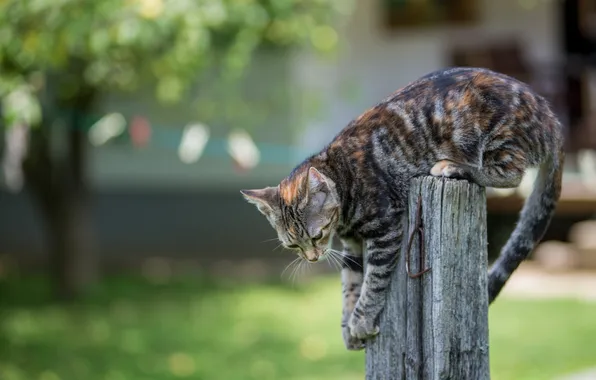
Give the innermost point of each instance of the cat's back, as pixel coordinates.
(455, 112)
(451, 99)
(459, 83)
(471, 101)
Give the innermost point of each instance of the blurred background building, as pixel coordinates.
(382, 46)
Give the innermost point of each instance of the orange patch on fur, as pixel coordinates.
(366, 115)
(437, 170)
(336, 145)
(482, 79)
(290, 189)
(467, 98)
(358, 155)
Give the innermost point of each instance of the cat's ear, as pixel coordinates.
(317, 181)
(265, 199)
(320, 193)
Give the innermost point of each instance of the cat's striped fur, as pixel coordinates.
(461, 122)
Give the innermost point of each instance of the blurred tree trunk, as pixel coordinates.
(58, 185)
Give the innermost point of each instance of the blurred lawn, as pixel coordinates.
(131, 329)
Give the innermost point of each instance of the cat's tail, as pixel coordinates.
(534, 219)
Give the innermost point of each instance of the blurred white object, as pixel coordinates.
(527, 184)
(17, 141)
(583, 237)
(106, 128)
(523, 190)
(192, 144)
(556, 256)
(586, 161)
(502, 192)
(243, 149)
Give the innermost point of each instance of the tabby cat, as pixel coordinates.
(466, 123)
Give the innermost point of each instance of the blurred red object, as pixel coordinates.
(140, 131)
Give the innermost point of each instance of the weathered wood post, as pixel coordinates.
(435, 326)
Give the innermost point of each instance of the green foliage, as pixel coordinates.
(120, 43)
(20, 104)
(194, 329)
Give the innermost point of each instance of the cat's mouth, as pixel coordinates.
(313, 257)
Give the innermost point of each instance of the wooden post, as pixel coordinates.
(436, 326)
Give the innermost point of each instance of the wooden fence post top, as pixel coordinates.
(436, 326)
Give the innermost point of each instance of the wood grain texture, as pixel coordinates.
(436, 326)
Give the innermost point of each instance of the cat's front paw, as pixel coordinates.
(352, 343)
(362, 327)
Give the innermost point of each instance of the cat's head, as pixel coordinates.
(303, 209)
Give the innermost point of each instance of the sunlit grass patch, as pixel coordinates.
(197, 329)
(540, 339)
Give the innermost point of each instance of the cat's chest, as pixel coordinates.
(367, 214)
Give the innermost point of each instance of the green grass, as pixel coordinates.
(187, 329)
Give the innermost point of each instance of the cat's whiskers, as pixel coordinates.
(289, 265)
(296, 270)
(301, 269)
(338, 259)
(328, 260)
(337, 263)
(342, 256)
(333, 258)
(307, 267)
(293, 272)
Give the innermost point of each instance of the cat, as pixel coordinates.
(463, 123)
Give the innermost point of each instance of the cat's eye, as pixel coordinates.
(318, 236)
(293, 246)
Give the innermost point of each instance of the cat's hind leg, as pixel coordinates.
(498, 176)
(501, 168)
